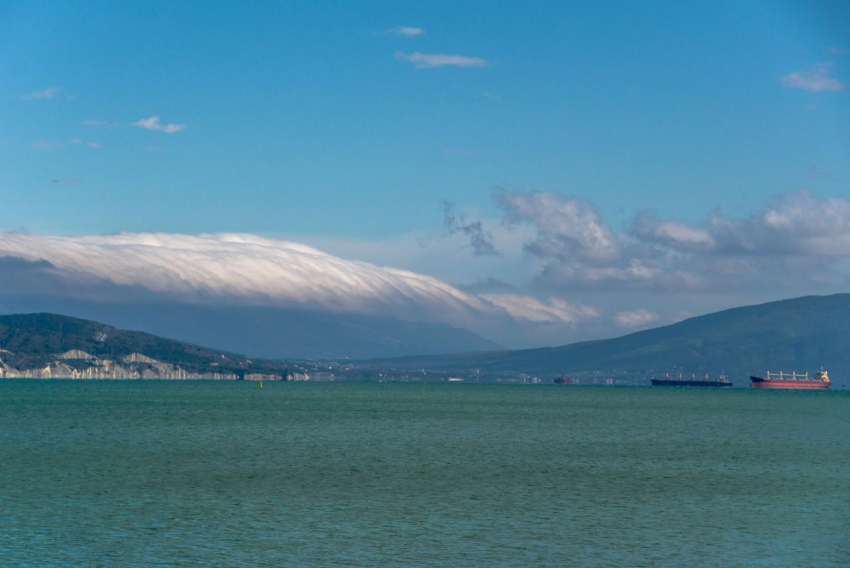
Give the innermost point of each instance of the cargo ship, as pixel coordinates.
(678, 381)
(793, 381)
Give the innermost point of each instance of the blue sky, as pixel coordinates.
(313, 120)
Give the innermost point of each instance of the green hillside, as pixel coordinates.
(31, 341)
(799, 334)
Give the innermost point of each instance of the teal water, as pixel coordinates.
(226, 473)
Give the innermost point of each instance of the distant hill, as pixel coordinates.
(53, 345)
(799, 334)
(273, 333)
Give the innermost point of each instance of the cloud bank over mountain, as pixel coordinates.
(549, 270)
(239, 268)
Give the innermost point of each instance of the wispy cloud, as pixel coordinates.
(553, 310)
(839, 50)
(816, 79)
(430, 61)
(405, 31)
(101, 123)
(47, 93)
(156, 149)
(637, 318)
(479, 240)
(45, 144)
(79, 141)
(153, 123)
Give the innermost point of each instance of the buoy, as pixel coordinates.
(261, 384)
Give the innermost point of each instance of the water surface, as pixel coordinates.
(194, 472)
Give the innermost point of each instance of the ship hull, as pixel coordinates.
(674, 383)
(762, 383)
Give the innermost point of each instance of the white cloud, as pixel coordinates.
(555, 310)
(430, 61)
(153, 123)
(44, 144)
(797, 224)
(405, 31)
(76, 140)
(102, 123)
(245, 268)
(672, 233)
(575, 251)
(839, 50)
(815, 79)
(47, 93)
(637, 318)
(566, 227)
(94, 144)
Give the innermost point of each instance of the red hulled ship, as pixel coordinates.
(792, 381)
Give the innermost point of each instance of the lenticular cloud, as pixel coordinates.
(240, 267)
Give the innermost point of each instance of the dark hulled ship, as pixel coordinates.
(679, 381)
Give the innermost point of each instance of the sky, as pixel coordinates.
(586, 169)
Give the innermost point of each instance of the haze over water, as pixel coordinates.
(228, 473)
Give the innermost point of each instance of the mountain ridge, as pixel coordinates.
(45, 345)
(801, 333)
(270, 332)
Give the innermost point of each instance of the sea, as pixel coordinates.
(204, 473)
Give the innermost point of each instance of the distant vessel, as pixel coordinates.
(678, 381)
(794, 381)
(565, 380)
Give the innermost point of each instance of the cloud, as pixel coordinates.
(479, 240)
(47, 93)
(101, 123)
(637, 318)
(576, 251)
(64, 180)
(153, 123)
(797, 224)
(555, 310)
(160, 149)
(671, 233)
(567, 228)
(89, 144)
(816, 79)
(44, 144)
(839, 50)
(243, 269)
(405, 31)
(430, 61)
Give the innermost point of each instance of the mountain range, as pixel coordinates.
(50, 345)
(799, 334)
(270, 332)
